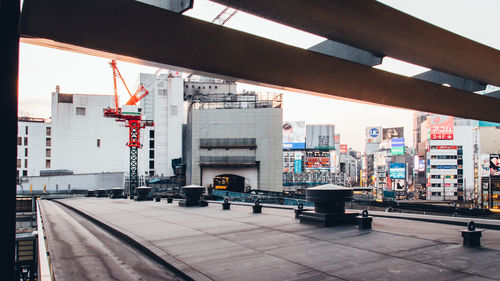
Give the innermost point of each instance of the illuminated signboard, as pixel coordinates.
(343, 148)
(441, 127)
(294, 135)
(397, 146)
(317, 160)
(494, 165)
(373, 134)
(397, 171)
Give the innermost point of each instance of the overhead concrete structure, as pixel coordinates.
(362, 24)
(380, 29)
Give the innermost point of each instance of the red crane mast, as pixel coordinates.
(132, 116)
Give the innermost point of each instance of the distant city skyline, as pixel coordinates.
(41, 69)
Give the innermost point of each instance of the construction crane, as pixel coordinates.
(131, 114)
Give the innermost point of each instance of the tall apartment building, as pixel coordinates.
(164, 105)
(34, 146)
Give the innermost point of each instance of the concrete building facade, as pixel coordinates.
(164, 106)
(34, 146)
(83, 140)
(239, 138)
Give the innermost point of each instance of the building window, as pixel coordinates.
(25, 173)
(215, 87)
(26, 130)
(47, 142)
(80, 111)
(47, 163)
(151, 164)
(26, 152)
(19, 163)
(25, 163)
(174, 110)
(152, 134)
(98, 142)
(47, 152)
(151, 144)
(151, 154)
(19, 141)
(25, 140)
(48, 131)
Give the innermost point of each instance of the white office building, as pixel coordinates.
(83, 140)
(450, 166)
(164, 106)
(34, 147)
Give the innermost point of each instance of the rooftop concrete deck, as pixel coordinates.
(209, 243)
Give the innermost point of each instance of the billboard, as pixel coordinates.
(317, 160)
(334, 161)
(397, 146)
(392, 133)
(494, 165)
(373, 134)
(298, 162)
(397, 171)
(379, 159)
(294, 135)
(343, 148)
(337, 138)
(320, 137)
(441, 127)
(421, 165)
(485, 165)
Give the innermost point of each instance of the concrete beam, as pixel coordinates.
(380, 29)
(113, 29)
(495, 94)
(452, 80)
(343, 51)
(178, 6)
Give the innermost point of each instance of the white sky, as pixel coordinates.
(41, 69)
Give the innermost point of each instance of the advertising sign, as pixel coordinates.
(294, 135)
(337, 138)
(298, 162)
(379, 159)
(397, 171)
(334, 161)
(320, 137)
(494, 165)
(317, 160)
(373, 134)
(485, 165)
(397, 146)
(421, 165)
(441, 127)
(343, 148)
(393, 133)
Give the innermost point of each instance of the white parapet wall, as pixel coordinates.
(64, 183)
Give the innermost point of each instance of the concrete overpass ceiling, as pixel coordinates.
(103, 28)
(382, 30)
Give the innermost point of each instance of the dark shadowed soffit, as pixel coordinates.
(135, 32)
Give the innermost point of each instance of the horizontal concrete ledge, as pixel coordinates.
(133, 243)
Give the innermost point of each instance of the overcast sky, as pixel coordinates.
(41, 69)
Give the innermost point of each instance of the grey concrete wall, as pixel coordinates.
(263, 124)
